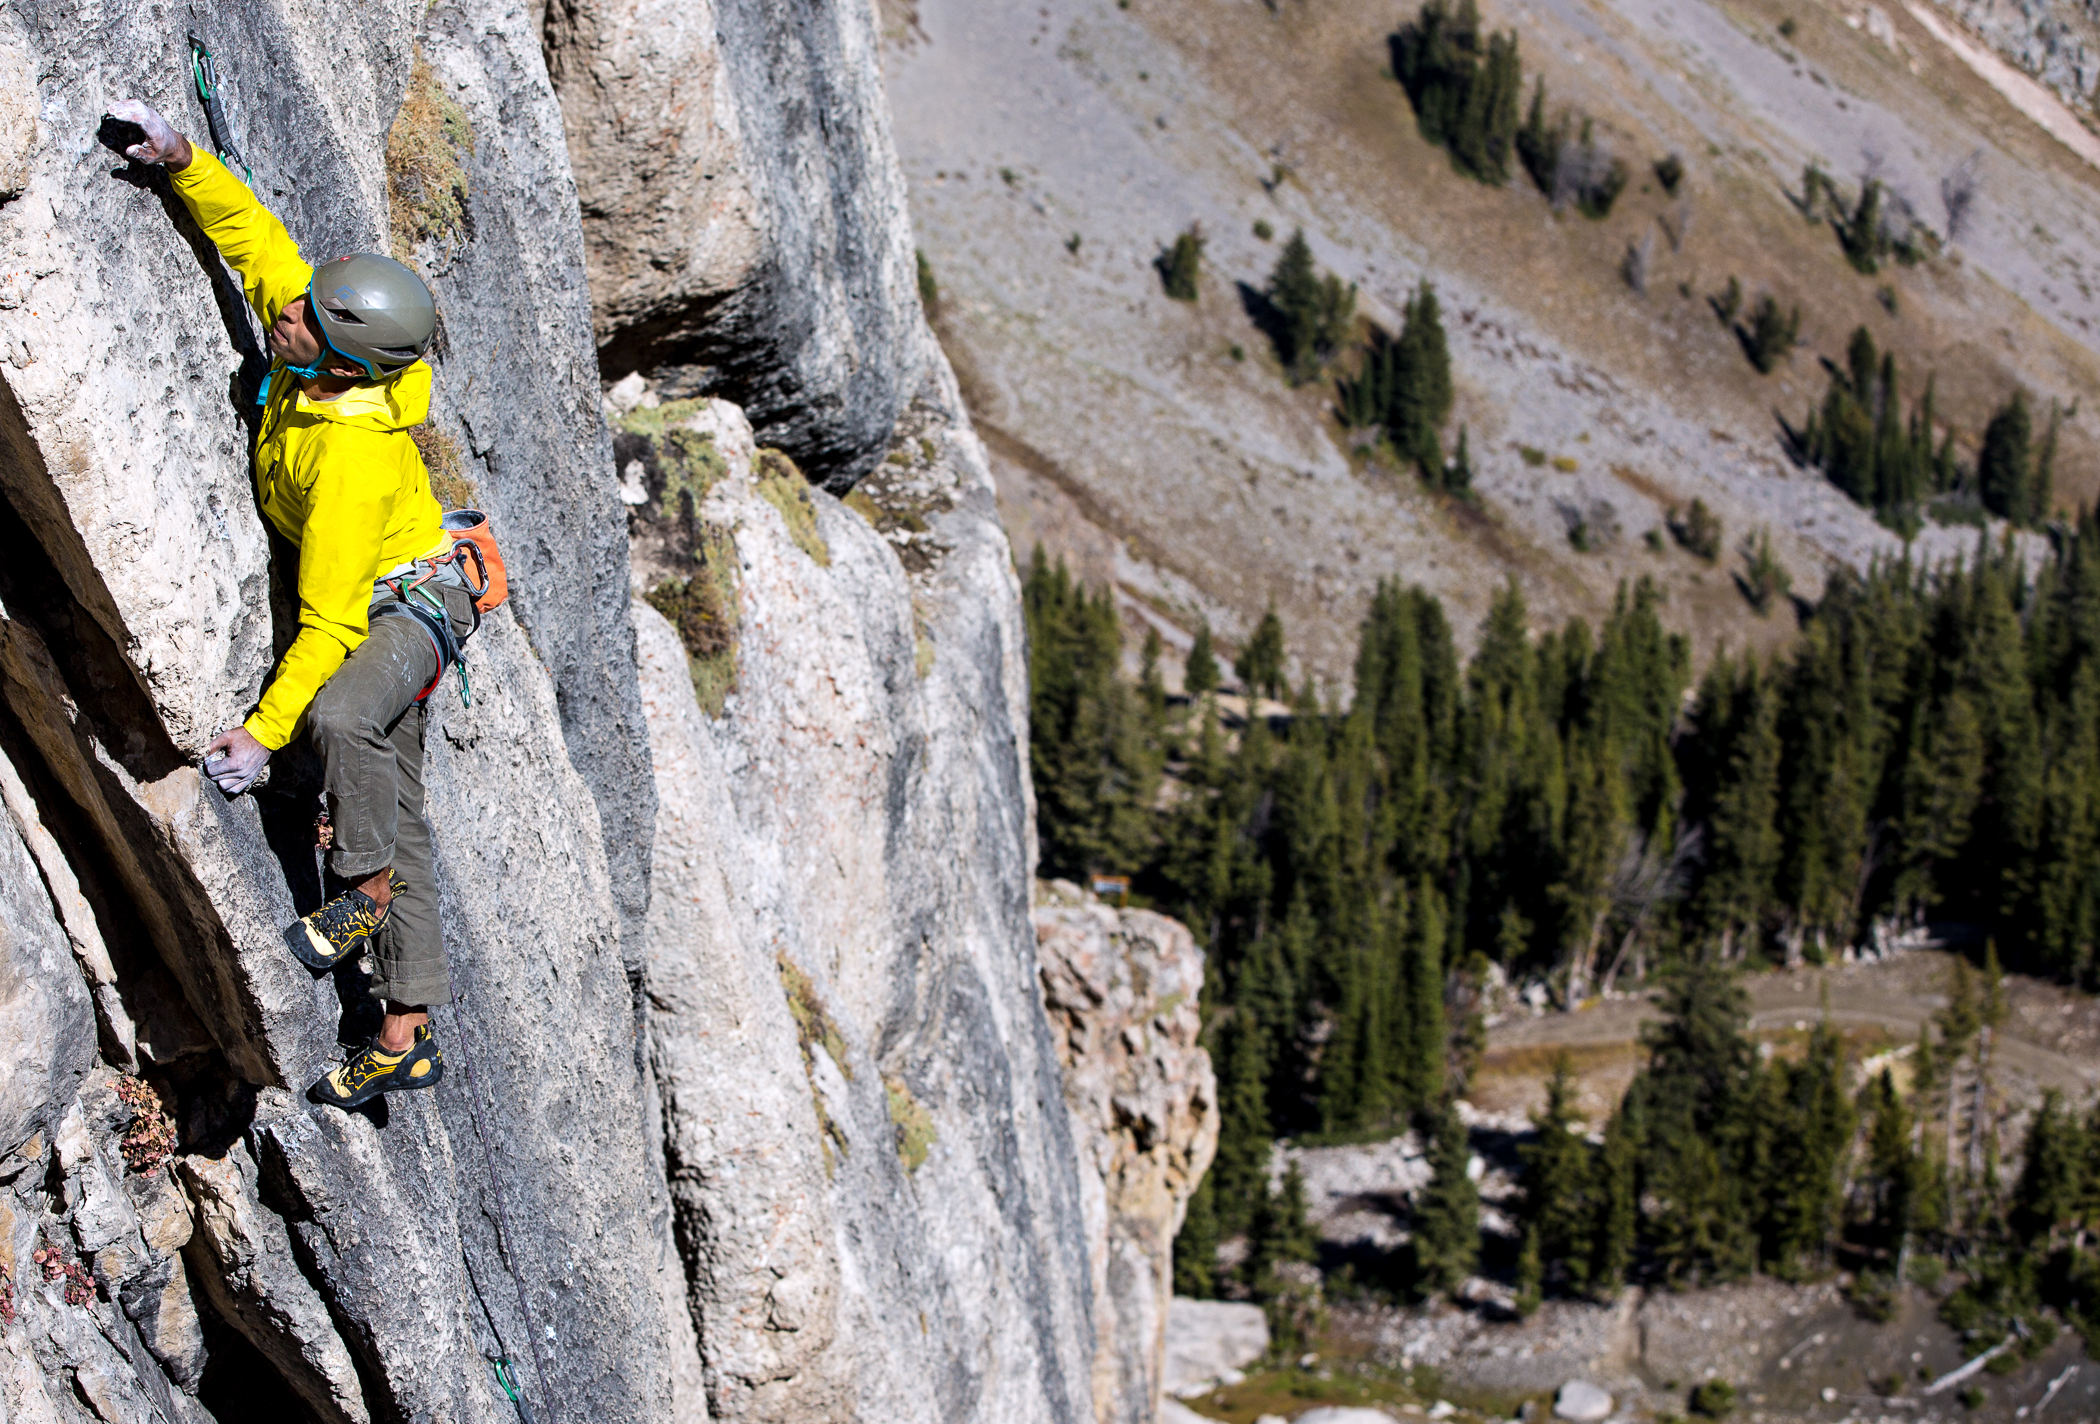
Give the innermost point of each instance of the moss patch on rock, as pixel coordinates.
(426, 169)
(915, 1130)
(703, 608)
(679, 466)
(782, 485)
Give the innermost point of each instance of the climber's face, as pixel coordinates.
(295, 337)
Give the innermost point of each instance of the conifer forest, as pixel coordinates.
(1576, 806)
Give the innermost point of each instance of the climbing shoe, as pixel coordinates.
(337, 930)
(372, 1071)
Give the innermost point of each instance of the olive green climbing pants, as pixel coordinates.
(367, 724)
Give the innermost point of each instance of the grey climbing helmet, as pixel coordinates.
(373, 310)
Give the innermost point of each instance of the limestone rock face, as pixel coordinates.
(744, 213)
(354, 1266)
(871, 1167)
(1121, 990)
(785, 1134)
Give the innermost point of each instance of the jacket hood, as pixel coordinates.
(398, 403)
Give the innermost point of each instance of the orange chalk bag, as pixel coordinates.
(473, 542)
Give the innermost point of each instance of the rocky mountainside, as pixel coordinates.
(1054, 157)
(755, 1110)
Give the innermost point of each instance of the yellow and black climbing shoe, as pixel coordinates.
(372, 1071)
(337, 930)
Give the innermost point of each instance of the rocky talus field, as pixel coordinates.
(768, 1097)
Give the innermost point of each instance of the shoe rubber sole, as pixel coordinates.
(316, 953)
(395, 1082)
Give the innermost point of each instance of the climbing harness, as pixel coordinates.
(478, 565)
(417, 601)
(205, 70)
(505, 1374)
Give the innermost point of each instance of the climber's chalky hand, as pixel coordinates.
(234, 759)
(163, 144)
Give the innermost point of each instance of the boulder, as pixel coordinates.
(1581, 1402)
(1345, 1414)
(1205, 1338)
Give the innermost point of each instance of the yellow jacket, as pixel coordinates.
(341, 479)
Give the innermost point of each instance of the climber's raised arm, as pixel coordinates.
(247, 234)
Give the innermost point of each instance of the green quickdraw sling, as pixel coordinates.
(205, 70)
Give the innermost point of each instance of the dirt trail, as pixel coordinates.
(2032, 98)
(2048, 1040)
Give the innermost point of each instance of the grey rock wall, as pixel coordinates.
(876, 1188)
(351, 1267)
(744, 213)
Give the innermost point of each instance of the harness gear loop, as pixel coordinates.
(205, 70)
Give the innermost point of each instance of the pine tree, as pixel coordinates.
(1278, 1233)
(1615, 1228)
(2051, 1192)
(1894, 1174)
(1458, 475)
(1200, 672)
(2005, 467)
(1560, 1204)
(1539, 144)
(1464, 98)
(1259, 666)
(1313, 313)
(1196, 1244)
(1531, 1274)
(1447, 1210)
(1422, 392)
(1422, 977)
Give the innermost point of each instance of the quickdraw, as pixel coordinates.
(205, 70)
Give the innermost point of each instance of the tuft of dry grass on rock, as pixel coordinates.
(783, 486)
(703, 609)
(426, 153)
(449, 480)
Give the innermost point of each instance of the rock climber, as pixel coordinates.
(380, 616)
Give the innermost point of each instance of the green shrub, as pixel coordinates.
(1180, 263)
(1714, 1399)
(1765, 579)
(1770, 334)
